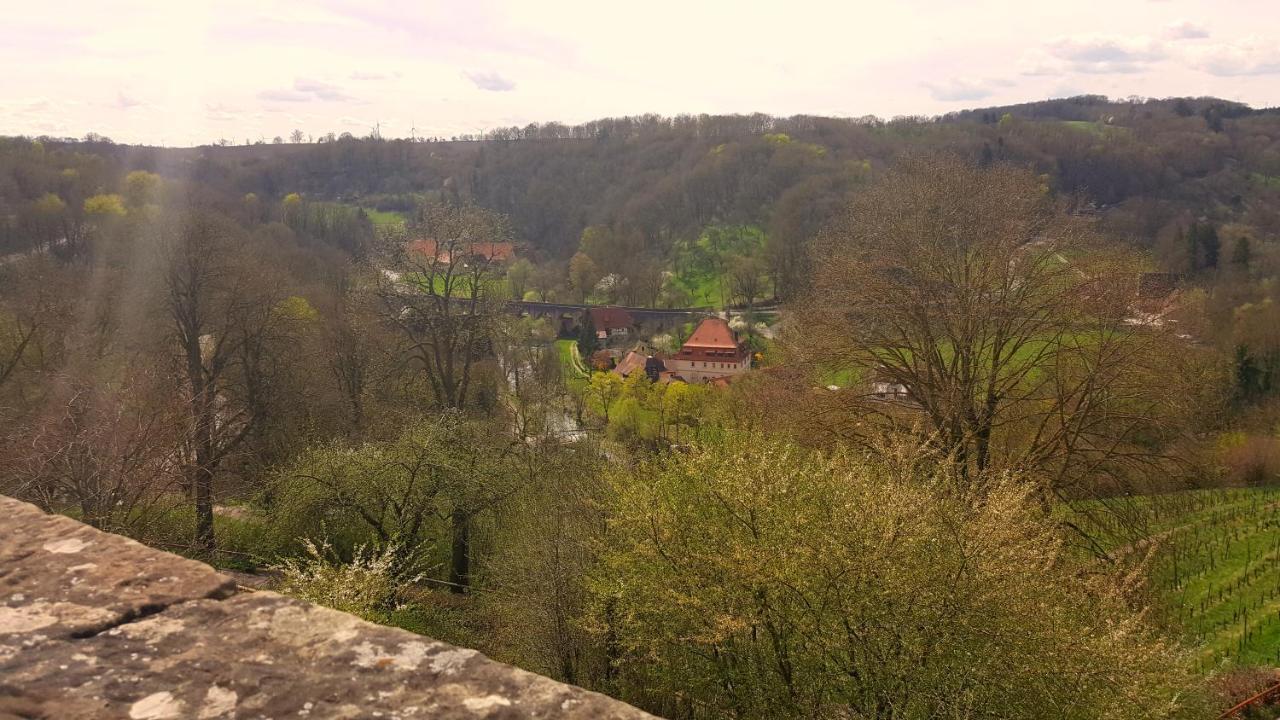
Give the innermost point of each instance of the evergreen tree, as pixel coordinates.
(1249, 377)
(1191, 240)
(1242, 253)
(587, 341)
(1211, 245)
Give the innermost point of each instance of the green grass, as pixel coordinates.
(845, 377)
(1094, 128)
(244, 542)
(1088, 126)
(570, 360)
(1024, 358)
(1217, 569)
(700, 264)
(702, 290)
(386, 218)
(441, 615)
(496, 287)
(1268, 181)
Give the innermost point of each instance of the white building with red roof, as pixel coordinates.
(712, 352)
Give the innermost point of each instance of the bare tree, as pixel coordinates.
(297, 136)
(1007, 322)
(747, 282)
(583, 275)
(217, 313)
(35, 310)
(360, 359)
(104, 451)
(533, 386)
(444, 298)
(547, 278)
(644, 281)
(16, 335)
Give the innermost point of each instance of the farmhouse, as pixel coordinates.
(446, 253)
(712, 352)
(638, 361)
(611, 322)
(632, 362)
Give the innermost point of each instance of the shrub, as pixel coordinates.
(370, 585)
(753, 579)
(1253, 461)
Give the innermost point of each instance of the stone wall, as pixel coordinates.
(94, 625)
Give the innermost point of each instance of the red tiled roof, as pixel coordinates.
(499, 251)
(632, 362)
(714, 333)
(713, 341)
(610, 318)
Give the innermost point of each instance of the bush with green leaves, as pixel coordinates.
(754, 579)
(430, 488)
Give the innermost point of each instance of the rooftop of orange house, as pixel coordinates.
(632, 362)
(713, 332)
(610, 318)
(494, 251)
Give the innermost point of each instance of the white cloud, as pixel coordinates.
(1066, 91)
(1038, 63)
(1106, 54)
(1186, 30)
(322, 91)
(275, 65)
(964, 89)
(125, 102)
(1250, 56)
(27, 105)
(490, 81)
(305, 90)
(284, 96)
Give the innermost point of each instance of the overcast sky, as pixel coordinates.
(182, 72)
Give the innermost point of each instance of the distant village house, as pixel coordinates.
(711, 353)
(495, 252)
(611, 322)
(655, 368)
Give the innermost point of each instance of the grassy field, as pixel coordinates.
(700, 264)
(385, 218)
(1094, 128)
(1088, 126)
(496, 287)
(1217, 570)
(570, 361)
(845, 377)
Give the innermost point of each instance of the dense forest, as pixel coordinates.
(241, 353)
